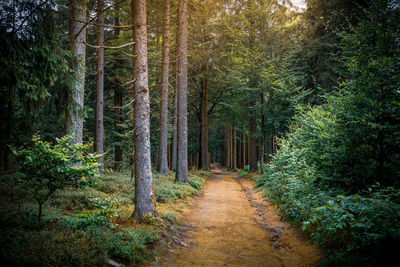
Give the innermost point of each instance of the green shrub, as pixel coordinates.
(358, 228)
(130, 244)
(48, 167)
(166, 190)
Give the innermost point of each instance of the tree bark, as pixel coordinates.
(9, 123)
(99, 125)
(234, 149)
(74, 123)
(163, 144)
(262, 145)
(175, 132)
(144, 197)
(228, 148)
(252, 144)
(252, 83)
(118, 152)
(182, 164)
(204, 121)
(240, 153)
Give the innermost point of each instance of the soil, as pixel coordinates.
(232, 224)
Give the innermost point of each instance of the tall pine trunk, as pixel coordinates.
(263, 130)
(204, 121)
(253, 81)
(234, 149)
(99, 125)
(174, 153)
(77, 31)
(182, 163)
(118, 152)
(244, 150)
(144, 197)
(252, 144)
(163, 145)
(175, 131)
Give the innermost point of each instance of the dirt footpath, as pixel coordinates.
(233, 225)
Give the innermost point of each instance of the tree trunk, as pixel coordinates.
(262, 146)
(99, 125)
(252, 83)
(234, 149)
(117, 108)
(228, 148)
(240, 153)
(262, 155)
(175, 132)
(252, 144)
(144, 197)
(9, 120)
(244, 150)
(163, 145)
(74, 122)
(204, 121)
(182, 164)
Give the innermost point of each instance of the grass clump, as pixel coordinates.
(166, 190)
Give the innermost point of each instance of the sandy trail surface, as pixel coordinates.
(232, 225)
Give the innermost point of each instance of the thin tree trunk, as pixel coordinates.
(74, 123)
(244, 150)
(163, 145)
(234, 149)
(252, 83)
(231, 147)
(118, 152)
(228, 148)
(240, 153)
(99, 125)
(182, 164)
(252, 144)
(262, 155)
(144, 197)
(175, 132)
(262, 146)
(9, 124)
(204, 121)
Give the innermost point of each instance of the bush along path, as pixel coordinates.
(232, 224)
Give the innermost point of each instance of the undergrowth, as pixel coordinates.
(84, 225)
(355, 227)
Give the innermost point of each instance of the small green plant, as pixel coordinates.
(48, 167)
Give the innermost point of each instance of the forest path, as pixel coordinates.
(233, 225)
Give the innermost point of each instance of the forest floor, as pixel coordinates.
(232, 224)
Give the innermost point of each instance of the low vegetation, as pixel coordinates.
(83, 224)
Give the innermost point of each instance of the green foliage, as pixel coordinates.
(169, 217)
(129, 244)
(337, 171)
(63, 244)
(48, 167)
(166, 190)
(82, 225)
